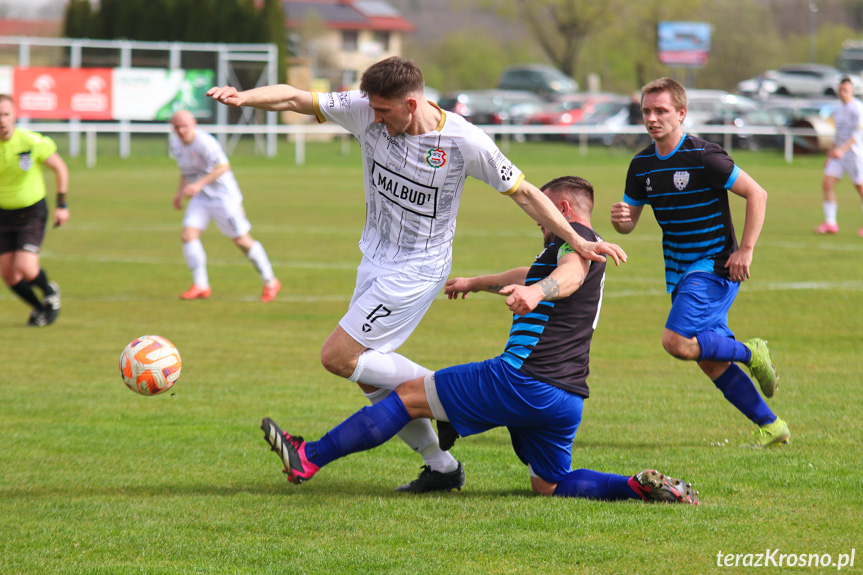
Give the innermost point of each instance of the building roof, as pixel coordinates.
(36, 28)
(347, 14)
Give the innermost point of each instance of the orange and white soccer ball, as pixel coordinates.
(150, 365)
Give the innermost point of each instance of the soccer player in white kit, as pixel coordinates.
(416, 158)
(846, 155)
(207, 181)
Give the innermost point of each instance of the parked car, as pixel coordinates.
(798, 108)
(483, 107)
(517, 111)
(567, 110)
(706, 105)
(547, 81)
(609, 115)
(815, 114)
(797, 80)
(764, 117)
(519, 115)
(759, 87)
(778, 111)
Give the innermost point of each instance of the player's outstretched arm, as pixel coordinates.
(491, 283)
(542, 210)
(276, 98)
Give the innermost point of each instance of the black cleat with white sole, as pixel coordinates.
(430, 480)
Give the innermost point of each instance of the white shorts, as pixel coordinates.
(850, 163)
(230, 216)
(387, 306)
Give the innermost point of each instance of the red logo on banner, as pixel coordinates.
(64, 93)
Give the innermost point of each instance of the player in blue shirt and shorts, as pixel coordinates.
(535, 388)
(686, 181)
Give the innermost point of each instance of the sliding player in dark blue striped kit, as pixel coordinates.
(686, 181)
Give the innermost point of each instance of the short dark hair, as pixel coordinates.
(7, 98)
(392, 78)
(846, 79)
(673, 87)
(577, 190)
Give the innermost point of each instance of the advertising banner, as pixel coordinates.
(63, 93)
(685, 44)
(156, 93)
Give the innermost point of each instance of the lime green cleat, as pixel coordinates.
(761, 367)
(771, 435)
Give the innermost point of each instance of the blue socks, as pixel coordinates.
(734, 384)
(369, 427)
(715, 347)
(595, 485)
(740, 391)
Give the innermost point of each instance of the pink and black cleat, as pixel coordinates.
(291, 450)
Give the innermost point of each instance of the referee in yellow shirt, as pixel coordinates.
(24, 212)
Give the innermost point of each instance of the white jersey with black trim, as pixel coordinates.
(413, 184)
(199, 158)
(849, 124)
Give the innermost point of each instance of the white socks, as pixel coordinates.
(386, 370)
(196, 261)
(258, 256)
(419, 436)
(830, 213)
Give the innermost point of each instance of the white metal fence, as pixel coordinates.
(299, 132)
(259, 61)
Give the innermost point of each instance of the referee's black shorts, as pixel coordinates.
(23, 229)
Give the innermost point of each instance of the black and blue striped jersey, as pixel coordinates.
(552, 343)
(688, 191)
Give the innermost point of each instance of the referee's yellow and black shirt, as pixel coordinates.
(21, 158)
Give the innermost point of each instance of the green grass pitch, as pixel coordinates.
(95, 479)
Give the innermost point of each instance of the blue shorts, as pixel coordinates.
(541, 419)
(700, 303)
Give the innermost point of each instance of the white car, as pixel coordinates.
(704, 106)
(797, 80)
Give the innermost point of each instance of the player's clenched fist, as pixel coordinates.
(620, 213)
(521, 299)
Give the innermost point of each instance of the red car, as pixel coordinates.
(567, 110)
(483, 107)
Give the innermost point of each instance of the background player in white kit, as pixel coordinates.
(207, 180)
(416, 159)
(846, 155)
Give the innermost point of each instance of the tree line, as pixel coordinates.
(612, 41)
(228, 21)
(615, 41)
